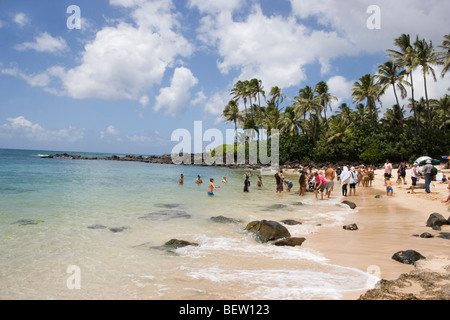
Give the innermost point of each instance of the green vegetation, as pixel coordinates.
(309, 133)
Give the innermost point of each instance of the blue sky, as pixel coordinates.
(139, 69)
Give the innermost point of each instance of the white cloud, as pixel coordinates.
(176, 98)
(109, 131)
(275, 49)
(340, 88)
(215, 6)
(45, 43)
(20, 127)
(21, 19)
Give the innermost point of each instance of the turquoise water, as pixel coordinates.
(48, 208)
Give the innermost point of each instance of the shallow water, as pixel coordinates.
(63, 198)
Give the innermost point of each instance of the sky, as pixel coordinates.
(120, 76)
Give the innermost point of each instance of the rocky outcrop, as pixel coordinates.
(407, 256)
(175, 244)
(352, 205)
(351, 227)
(430, 280)
(266, 231)
(292, 242)
(436, 220)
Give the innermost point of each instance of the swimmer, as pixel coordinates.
(212, 187)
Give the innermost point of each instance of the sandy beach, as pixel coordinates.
(387, 225)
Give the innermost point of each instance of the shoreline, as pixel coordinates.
(386, 225)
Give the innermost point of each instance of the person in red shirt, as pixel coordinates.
(319, 184)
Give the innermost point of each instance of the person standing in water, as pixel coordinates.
(212, 187)
(246, 184)
(181, 180)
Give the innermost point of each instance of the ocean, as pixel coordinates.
(95, 229)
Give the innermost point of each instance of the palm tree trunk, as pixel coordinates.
(413, 102)
(395, 93)
(426, 99)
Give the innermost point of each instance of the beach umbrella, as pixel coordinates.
(424, 158)
(433, 161)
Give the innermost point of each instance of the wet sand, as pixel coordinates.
(386, 225)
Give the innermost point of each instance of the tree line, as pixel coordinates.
(355, 133)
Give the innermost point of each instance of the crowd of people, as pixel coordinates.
(323, 180)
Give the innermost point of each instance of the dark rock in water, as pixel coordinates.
(97, 226)
(167, 205)
(444, 235)
(222, 219)
(25, 222)
(351, 227)
(119, 229)
(175, 244)
(408, 256)
(352, 205)
(297, 204)
(275, 207)
(378, 196)
(268, 230)
(426, 235)
(290, 222)
(437, 228)
(166, 215)
(292, 242)
(436, 219)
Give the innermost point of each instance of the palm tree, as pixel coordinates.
(445, 55)
(394, 117)
(305, 102)
(367, 89)
(231, 113)
(424, 55)
(402, 58)
(277, 97)
(325, 98)
(389, 74)
(239, 91)
(289, 123)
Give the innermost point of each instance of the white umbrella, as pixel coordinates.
(419, 160)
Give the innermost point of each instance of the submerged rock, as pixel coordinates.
(166, 215)
(118, 229)
(175, 244)
(268, 230)
(97, 226)
(444, 235)
(426, 235)
(291, 222)
(167, 205)
(275, 207)
(222, 219)
(25, 222)
(407, 257)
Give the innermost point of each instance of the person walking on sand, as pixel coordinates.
(353, 181)
(212, 187)
(387, 169)
(345, 180)
(427, 169)
(403, 172)
(415, 176)
(389, 189)
(330, 174)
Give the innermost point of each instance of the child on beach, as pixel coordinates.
(212, 187)
(319, 184)
(289, 184)
(389, 189)
(259, 183)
